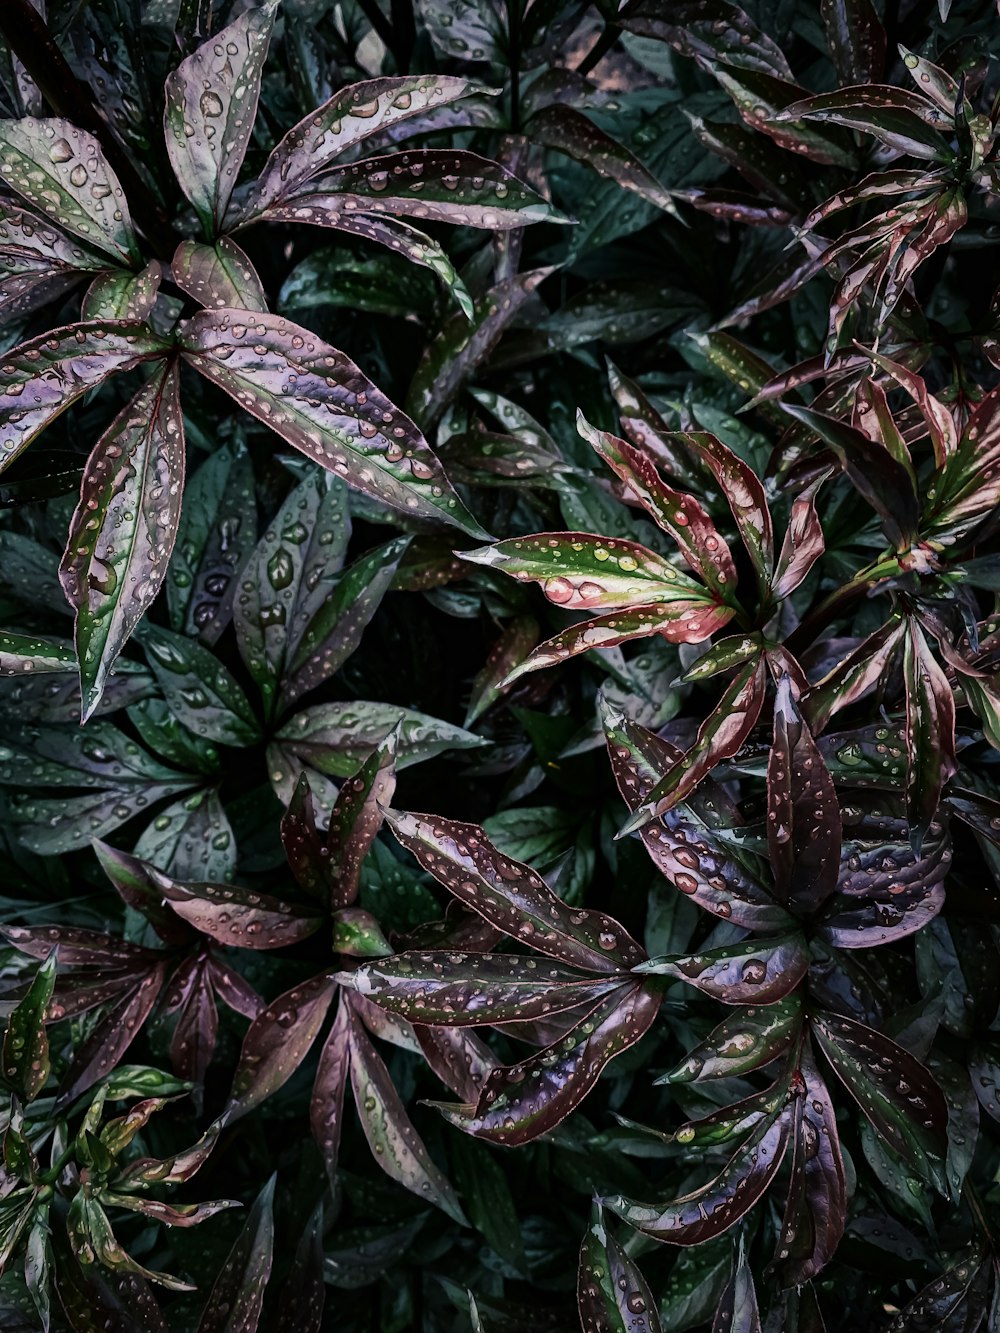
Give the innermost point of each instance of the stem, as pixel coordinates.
(379, 22)
(405, 33)
(28, 37)
(600, 48)
(515, 13)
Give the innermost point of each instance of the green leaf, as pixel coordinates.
(198, 689)
(489, 1203)
(612, 1294)
(25, 1044)
(123, 530)
(744, 1040)
(356, 819)
(211, 103)
(217, 275)
(122, 295)
(753, 971)
(335, 738)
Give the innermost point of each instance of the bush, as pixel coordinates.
(678, 1007)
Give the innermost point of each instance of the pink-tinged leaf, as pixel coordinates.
(737, 1311)
(968, 486)
(25, 1056)
(745, 1040)
(348, 118)
(710, 31)
(760, 99)
(872, 417)
(103, 1049)
(571, 132)
(357, 934)
(130, 876)
(930, 728)
(28, 237)
(933, 82)
(473, 989)
(877, 185)
(803, 812)
(940, 422)
(901, 120)
(894, 1090)
(357, 817)
(582, 572)
(737, 206)
(123, 530)
(947, 215)
(91, 1238)
(709, 1211)
(520, 1102)
(236, 916)
(218, 275)
(78, 992)
(611, 1293)
(237, 1295)
(719, 737)
(755, 971)
(334, 414)
(41, 378)
(705, 552)
(853, 676)
(648, 431)
(175, 1170)
(746, 498)
(513, 897)
(683, 844)
(234, 992)
(277, 1042)
(171, 1215)
(78, 947)
(397, 1147)
(460, 1058)
(856, 39)
(803, 543)
(62, 171)
(326, 1106)
(305, 846)
(816, 1207)
(122, 295)
(190, 1000)
(91, 1300)
(211, 102)
(787, 277)
(517, 640)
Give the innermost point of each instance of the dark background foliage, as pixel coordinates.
(676, 1009)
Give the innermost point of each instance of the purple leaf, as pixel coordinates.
(130, 876)
(211, 103)
(91, 1238)
(78, 947)
(754, 971)
(190, 999)
(933, 82)
(122, 295)
(58, 368)
(62, 171)
(520, 635)
(234, 1303)
(612, 1295)
(218, 275)
(761, 98)
(930, 727)
(709, 1211)
(856, 39)
(103, 1049)
(336, 738)
(968, 486)
(326, 1106)
(391, 1136)
(803, 544)
(803, 813)
(745, 1040)
(357, 817)
(277, 1042)
(460, 1058)
(236, 916)
(737, 1310)
(853, 675)
(124, 527)
(764, 165)
(304, 1293)
(519, 1102)
(746, 498)
(955, 1300)
(234, 992)
(648, 431)
(333, 414)
(513, 897)
(710, 31)
(901, 120)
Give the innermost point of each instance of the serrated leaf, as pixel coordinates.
(63, 172)
(123, 530)
(612, 1295)
(753, 971)
(234, 1303)
(25, 1044)
(218, 275)
(512, 896)
(322, 404)
(198, 688)
(211, 103)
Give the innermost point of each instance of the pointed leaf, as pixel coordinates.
(218, 275)
(901, 120)
(211, 103)
(743, 1041)
(304, 1292)
(320, 403)
(356, 819)
(753, 971)
(512, 896)
(236, 916)
(745, 496)
(234, 1303)
(326, 1105)
(737, 1310)
(853, 676)
(198, 688)
(517, 640)
(336, 738)
(803, 544)
(930, 727)
(103, 1049)
(611, 1293)
(571, 132)
(856, 39)
(25, 1044)
(122, 295)
(191, 837)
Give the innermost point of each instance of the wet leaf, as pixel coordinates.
(336, 738)
(304, 1293)
(901, 120)
(856, 39)
(754, 970)
(234, 915)
(25, 1044)
(123, 530)
(512, 896)
(122, 295)
(211, 102)
(930, 728)
(953, 1301)
(199, 689)
(218, 275)
(803, 544)
(319, 402)
(737, 1310)
(234, 1303)
(745, 1040)
(612, 1294)
(356, 819)
(517, 640)
(103, 1049)
(326, 1105)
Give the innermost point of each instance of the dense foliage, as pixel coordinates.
(676, 1004)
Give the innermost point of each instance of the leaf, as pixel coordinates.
(520, 1102)
(32, 655)
(745, 496)
(473, 989)
(708, 31)
(803, 813)
(26, 1061)
(103, 1049)
(277, 1042)
(122, 295)
(611, 1293)
(234, 1303)
(91, 1238)
(196, 1030)
(304, 1293)
(752, 972)
(955, 1300)
(333, 413)
(517, 640)
(123, 530)
(58, 368)
(803, 544)
(968, 486)
(130, 876)
(761, 99)
(356, 819)
(512, 896)
(648, 431)
(896, 1093)
(198, 688)
(930, 729)
(683, 843)
(218, 275)
(852, 676)
(336, 738)
(745, 1040)
(234, 915)
(211, 103)
(901, 120)
(63, 172)
(737, 1310)
(326, 1105)
(856, 39)
(391, 1136)
(715, 1207)
(571, 132)
(349, 117)
(705, 552)
(719, 736)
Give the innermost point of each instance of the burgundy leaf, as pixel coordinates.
(955, 1300)
(218, 275)
(326, 1106)
(939, 420)
(234, 915)
(233, 991)
(745, 1040)
(517, 640)
(745, 496)
(803, 813)
(513, 897)
(391, 1136)
(710, 31)
(612, 1295)
(193, 1043)
(856, 39)
(968, 486)
(234, 1303)
(520, 1102)
(649, 433)
(903, 121)
(803, 544)
(761, 98)
(853, 675)
(305, 845)
(77, 947)
(737, 1310)
(130, 876)
(753, 971)
(103, 1049)
(930, 728)
(460, 1058)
